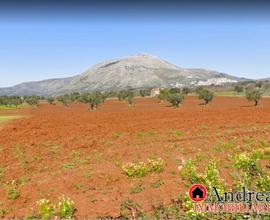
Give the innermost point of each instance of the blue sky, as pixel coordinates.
(35, 49)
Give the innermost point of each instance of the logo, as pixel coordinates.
(197, 192)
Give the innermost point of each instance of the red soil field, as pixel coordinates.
(78, 153)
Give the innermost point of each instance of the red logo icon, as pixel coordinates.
(197, 192)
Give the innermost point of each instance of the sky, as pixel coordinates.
(42, 41)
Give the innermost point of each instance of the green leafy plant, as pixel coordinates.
(65, 208)
(68, 166)
(188, 172)
(263, 183)
(247, 164)
(140, 169)
(45, 209)
(155, 165)
(249, 170)
(224, 146)
(12, 189)
(211, 177)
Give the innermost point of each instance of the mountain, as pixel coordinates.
(138, 71)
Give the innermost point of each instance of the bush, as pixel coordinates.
(238, 89)
(45, 209)
(254, 95)
(140, 169)
(50, 100)
(206, 95)
(247, 164)
(32, 100)
(211, 177)
(175, 99)
(249, 171)
(65, 208)
(12, 190)
(263, 183)
(189, 172)
(144, 93)
(163, 94)
(65, 100)
(186, 90)
(122, 95)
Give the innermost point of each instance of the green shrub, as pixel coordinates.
(65, 100)
(65, 208)
(224, 146)
(238, 89)
(247, 164)
(254, 95)
(163, 94)
(206, 95)
(32, 100)
(45, 209)
(175, 99)
(211, 177)
(189, 172)
(155, 165)
(50, 100)
(251, 174)
(263, 183)
(140, 169)
(12, 190)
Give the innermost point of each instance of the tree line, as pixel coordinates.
(175, 96)
(19, 100)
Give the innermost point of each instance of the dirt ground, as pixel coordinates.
(78, 153)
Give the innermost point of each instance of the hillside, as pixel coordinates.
(137, 71)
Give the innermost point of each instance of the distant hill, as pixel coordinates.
(132, 72)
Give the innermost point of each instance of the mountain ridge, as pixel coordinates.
(130, 72)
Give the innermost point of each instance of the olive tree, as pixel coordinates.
(65, 100)
(130, 97)
(50, 100)
(175, 99)
(93, 99)
(254, 95)
(238, 89)
(122, 95)
(163, 95)
(32, 100)
(206, 95)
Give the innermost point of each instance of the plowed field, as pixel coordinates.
(78, 153)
